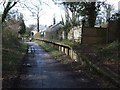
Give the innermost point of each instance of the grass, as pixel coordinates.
(110, 51)
(11, 58)
(54, 52)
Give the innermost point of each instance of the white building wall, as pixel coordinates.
(75, 34)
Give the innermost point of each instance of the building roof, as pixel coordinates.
(54, 27)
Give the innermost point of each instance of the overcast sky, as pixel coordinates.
(49, 10)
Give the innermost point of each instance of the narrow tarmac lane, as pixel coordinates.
(40, 70)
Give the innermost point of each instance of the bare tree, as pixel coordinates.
(7, 8)
(108, 9)
(35, 9)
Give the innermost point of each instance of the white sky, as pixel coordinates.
(48, 12)
(46, 15)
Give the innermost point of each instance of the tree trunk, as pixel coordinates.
(92, 14)
(38, 22)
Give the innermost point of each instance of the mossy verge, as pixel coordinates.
(11, 58)
(52, 51)
(101, 72)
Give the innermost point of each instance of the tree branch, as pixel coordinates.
(7, 9)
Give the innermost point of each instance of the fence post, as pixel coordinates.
(83, 22)
(107, 33)
(68, 51)
(64, 49)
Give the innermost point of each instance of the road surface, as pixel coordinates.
(40, 70)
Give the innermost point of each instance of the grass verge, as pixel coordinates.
(57, 55)
(54, 52)
(11, 57)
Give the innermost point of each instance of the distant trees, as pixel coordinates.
(73, 7)
(108, 10)
(22, 28)
(105, 11)
(30, 28)
(115, 16)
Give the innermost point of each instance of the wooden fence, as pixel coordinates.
(94, 35)
(67, 50)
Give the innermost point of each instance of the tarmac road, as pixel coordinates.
(40, 70)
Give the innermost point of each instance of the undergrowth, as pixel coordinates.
(53, 51)
(12, 53)
(111, 51)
